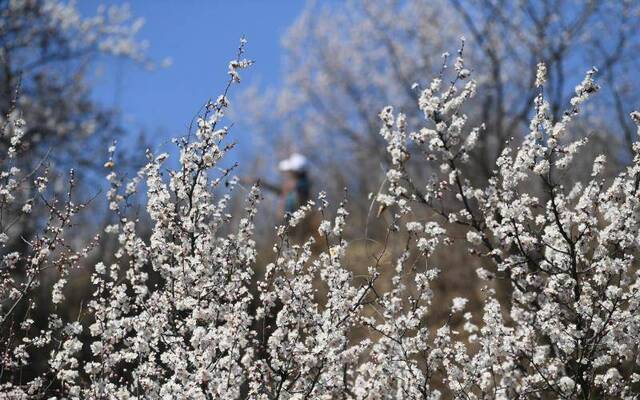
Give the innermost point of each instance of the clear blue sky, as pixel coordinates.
(200, 37)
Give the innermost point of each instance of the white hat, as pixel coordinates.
(295, 163)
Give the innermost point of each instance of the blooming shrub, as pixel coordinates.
(175, 315)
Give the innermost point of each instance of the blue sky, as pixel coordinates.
(200, 37)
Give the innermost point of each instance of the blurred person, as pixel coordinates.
(296, 186)
(294, 191)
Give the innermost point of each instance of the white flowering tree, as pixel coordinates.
(23, 194)
(47, 50)
(570, 327)
(174, 315)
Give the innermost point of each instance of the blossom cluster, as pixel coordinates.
(182, 313)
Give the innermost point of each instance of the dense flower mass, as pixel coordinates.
(181, 312)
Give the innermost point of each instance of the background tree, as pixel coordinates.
(48, 49)
(343, 60)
